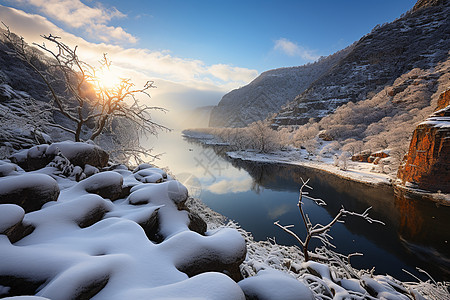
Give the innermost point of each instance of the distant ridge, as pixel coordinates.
(419, 39)
(269, 92)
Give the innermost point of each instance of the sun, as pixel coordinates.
(107, 79)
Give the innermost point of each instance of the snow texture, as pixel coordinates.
(10, 215)
(97, 248)
(272, 284)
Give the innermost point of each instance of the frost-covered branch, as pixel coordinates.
(319, 231)
(91, 105)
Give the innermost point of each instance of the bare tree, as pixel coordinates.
(263, 137)
(343, 160)
(319, 231)
(92, 103)
(311, 147)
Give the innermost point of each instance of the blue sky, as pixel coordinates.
(196, 51)
(241, 33)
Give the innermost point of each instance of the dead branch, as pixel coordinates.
(319, 231)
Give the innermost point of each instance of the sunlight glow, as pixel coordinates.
(106, 79)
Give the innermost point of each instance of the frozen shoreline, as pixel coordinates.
(359, 172)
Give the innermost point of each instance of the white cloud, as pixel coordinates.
(153, 64)
(230, 186)
(182, 83)
(75, 14)
(279, 211)
(292, 49)
(109, 33)
(226, 73)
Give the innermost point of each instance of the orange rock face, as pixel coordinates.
(427, 164)
(443, 101)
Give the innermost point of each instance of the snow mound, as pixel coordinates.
(10, 215)
(99, 249)
(30, 191)
(273, 284)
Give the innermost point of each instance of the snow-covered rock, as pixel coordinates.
(30, 191)
(80, 154)
(10, 215)
(273, 284)
(99, 249)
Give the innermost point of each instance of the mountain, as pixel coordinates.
(268, 92)
(420, 39)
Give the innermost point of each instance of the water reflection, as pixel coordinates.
(415, 232)
(255, 195)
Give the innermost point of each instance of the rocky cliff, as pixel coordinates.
(420, 39)
(427, 164)
(269, 92)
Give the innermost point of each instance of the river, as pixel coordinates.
(255, 195)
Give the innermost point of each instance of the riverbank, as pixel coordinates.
(356, 171)
(362, 172)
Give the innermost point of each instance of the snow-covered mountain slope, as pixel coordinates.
(420, 39)
(269, 92)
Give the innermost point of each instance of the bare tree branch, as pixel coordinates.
(319, 231)
(89, 101)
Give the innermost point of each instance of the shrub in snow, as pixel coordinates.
(30, 191)
(319, 231)
(343, 161)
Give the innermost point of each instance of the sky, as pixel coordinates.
(197, 51)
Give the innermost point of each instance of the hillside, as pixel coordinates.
(269, 92)
(420, 39)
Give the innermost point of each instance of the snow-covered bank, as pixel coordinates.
(356, 171)
(107, 232)
(268, 263)
(205, 138)
(366, 173)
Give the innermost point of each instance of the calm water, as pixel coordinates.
(255, 195)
